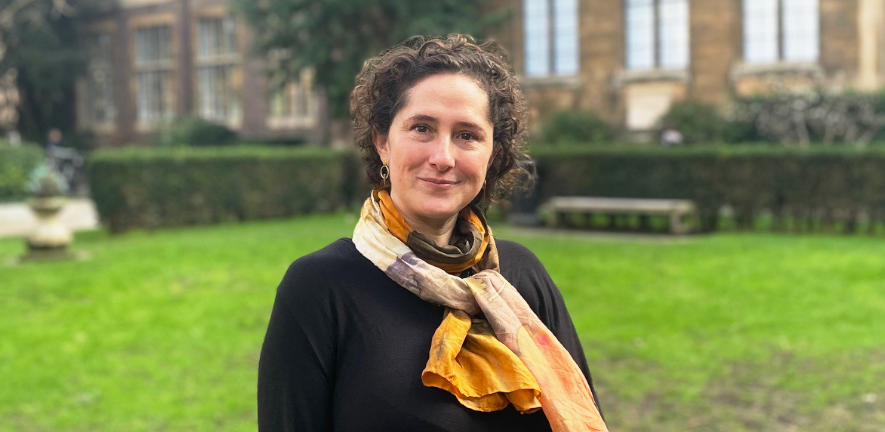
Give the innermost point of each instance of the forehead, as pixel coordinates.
(448, 97)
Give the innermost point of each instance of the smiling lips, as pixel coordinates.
(438, 182)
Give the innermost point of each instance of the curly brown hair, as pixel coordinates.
(382, 90)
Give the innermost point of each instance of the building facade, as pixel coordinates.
(151, 61)
(629, 60)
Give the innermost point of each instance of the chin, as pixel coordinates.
(440, 208)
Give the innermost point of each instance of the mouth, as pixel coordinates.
(438, 182)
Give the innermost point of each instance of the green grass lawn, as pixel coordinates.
(161, 331)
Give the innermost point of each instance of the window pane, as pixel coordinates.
(229, 28)
(153, 73)
(800, 21)
(215, 36)
(565, 24)
(152, 44)
(294, 100)
(760, 31)
(673, 34)
(217, 96)
(537, 38)
(98, 82)
(152, 89)
(640, 34)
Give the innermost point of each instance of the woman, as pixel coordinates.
(422, 321)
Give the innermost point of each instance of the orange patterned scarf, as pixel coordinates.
(475, 237)
(491, 349)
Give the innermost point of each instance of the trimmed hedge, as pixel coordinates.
(800, 189)
(154, 187)
(16, 164)
(805, 189)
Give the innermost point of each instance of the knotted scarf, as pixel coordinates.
(491, 349)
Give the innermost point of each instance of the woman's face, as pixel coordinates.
(438, 148)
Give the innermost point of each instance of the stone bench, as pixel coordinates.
(676, 210)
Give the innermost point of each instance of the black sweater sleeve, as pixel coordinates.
(297, 365)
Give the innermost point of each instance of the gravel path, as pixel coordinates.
(16, 219)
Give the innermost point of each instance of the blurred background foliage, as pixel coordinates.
(156, 187)
(194, 131)
(338, 37)
(39, 52)
(16, 165)
(564, 127)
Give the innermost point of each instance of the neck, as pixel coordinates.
(439, 232)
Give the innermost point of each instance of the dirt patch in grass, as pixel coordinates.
(845, 393)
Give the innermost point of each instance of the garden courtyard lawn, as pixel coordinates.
(161, 331)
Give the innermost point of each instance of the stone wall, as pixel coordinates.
(250, 78)
(839, 39)
(715, 28)
(602, 55)
(852, 54)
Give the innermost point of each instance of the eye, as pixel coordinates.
(467, 136)
(420, 128)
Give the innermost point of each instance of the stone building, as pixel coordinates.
(154, 60)
(629, 60)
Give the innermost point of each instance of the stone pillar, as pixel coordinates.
(839, 39)
(602, 42)
(716, 45)
(871, 51)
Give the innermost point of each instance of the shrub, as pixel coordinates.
(195, 131)
(810, 188)
(16, 165)
(799, 119)
(140, 187)
(698, 122)
(576, 127)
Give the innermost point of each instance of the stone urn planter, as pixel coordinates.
(50, 239)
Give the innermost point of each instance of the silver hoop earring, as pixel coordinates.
(385, 172)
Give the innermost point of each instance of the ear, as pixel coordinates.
(381, 146)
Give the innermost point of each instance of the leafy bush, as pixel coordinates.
(138, 187)
(698, 122)
(16, 165)
(799, 119)
(809, 189)
(195, 131)
(576, 127)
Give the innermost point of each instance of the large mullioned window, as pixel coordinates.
(153, 74)
(657, 34)
(217, 63)
(551, 37)
(781, 31)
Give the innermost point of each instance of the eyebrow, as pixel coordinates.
(431, 119)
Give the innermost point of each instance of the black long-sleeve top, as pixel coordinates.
(346, 345)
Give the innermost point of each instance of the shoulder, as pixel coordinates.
(312, 275)
(517, 259)
(339, 253)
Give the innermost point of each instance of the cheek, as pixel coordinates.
(479, 169)
(485, 164)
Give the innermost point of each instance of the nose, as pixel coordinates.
(443, 155)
